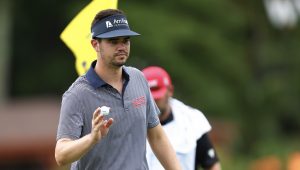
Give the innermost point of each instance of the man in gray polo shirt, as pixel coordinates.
(91, 140)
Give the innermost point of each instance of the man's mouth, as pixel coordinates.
(121, 54)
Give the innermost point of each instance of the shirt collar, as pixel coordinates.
(97, 81)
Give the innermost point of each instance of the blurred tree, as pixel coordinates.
(5, 44)
(41, 63)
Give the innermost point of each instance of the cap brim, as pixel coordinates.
(118, 33)
(158, 94)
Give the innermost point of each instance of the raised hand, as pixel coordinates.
(100, 127)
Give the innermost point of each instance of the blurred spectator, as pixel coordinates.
(186, 127)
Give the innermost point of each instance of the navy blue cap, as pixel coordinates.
(112, 26)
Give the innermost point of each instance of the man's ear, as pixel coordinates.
(95, 44)
(171, 90)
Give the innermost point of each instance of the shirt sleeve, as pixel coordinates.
(71, 119)
(206, 155)
(152, 111)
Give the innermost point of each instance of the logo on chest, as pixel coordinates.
(138, 102)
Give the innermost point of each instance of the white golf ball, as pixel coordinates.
(105, 110)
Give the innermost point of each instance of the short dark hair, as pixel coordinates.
(105, 13)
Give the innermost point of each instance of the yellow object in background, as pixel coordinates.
(77, 34)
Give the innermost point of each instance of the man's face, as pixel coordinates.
(163, 102)
(114, 51)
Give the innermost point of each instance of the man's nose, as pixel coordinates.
(121, 45)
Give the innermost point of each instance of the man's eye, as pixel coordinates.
(114, 41)
(126, 41)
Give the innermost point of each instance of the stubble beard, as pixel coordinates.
(114, 61)
(119, 63)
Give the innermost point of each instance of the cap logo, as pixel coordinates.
(108, 24)
(153, 83)
(116, 22)
(166, 81)
(120, 21)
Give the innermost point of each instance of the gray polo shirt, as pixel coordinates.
(133, 111)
